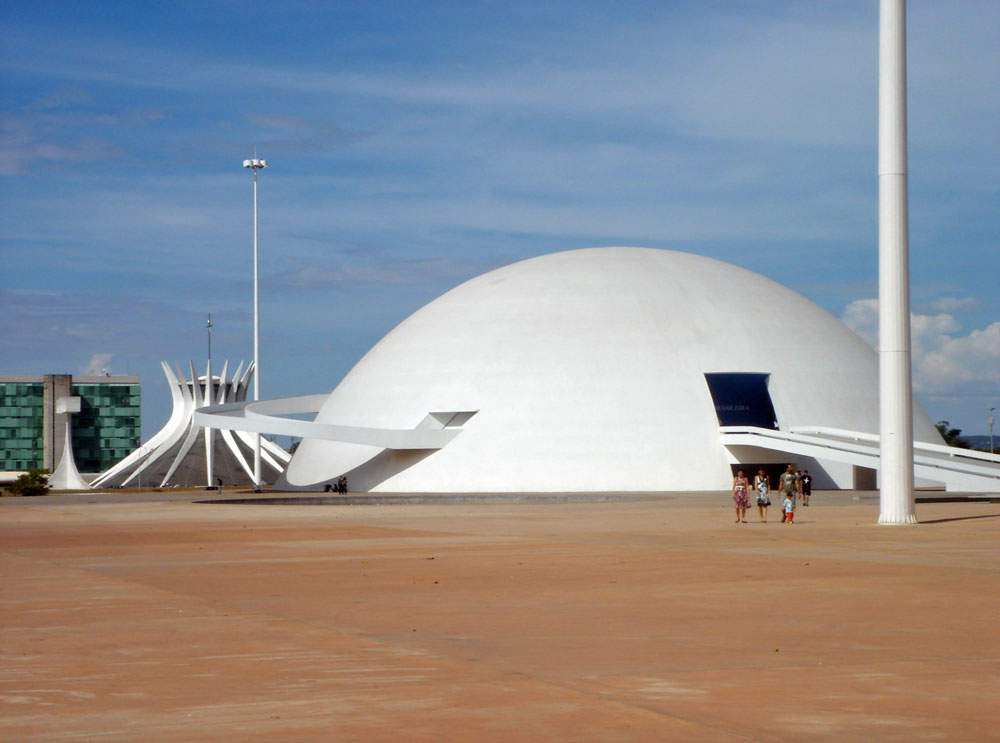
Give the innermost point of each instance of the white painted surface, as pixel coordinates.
(266, 416)
(957, 469)
(68, 405)
(587, 371)
(66, 476)
(897, 503)
(172, 457)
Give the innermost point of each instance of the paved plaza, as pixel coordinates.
(157, 618)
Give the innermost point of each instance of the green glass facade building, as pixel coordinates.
(21, 425)
(33, 420)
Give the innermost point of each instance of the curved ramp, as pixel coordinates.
(958, 469)
(267, 416)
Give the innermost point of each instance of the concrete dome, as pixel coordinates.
(586, 371)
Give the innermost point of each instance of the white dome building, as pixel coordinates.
(605, 369)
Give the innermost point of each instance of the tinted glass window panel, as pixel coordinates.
(742, 399)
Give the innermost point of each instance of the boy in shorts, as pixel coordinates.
(788, 486)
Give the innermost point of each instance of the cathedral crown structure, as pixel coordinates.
(183, 453)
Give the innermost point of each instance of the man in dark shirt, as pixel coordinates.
(806, 487)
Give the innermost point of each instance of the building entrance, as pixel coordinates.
(742, 399)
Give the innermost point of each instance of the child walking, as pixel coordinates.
(788, 505)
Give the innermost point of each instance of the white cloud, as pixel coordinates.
(861, 316)
(953, 304)
(59, 99)
(745, 131)
(972, 361)
(945, 362)
(98, 364)
(24, 144)
(387, 271)
(44, 134)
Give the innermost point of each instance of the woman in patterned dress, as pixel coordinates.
(741, 496)
(762, 485)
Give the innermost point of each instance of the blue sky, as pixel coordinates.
(413, 145)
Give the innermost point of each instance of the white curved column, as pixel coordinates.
(160, 442)
(174, 455)
(66, 476)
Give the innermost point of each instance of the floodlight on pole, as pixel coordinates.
(255, 164)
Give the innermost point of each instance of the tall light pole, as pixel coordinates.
(255, 164)
(208, 327)
(990, 422)
(209, 399)
(896, 498)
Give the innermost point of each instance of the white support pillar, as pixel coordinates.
(896, 498)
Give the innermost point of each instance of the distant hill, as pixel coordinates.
(982, 442)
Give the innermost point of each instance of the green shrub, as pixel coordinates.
(32, 482)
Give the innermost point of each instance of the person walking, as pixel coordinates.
(788, 507)
(762, 484)
(788, 487)
(807, 486)
(741, 496)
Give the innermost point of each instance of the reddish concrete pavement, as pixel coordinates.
(165, 620)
